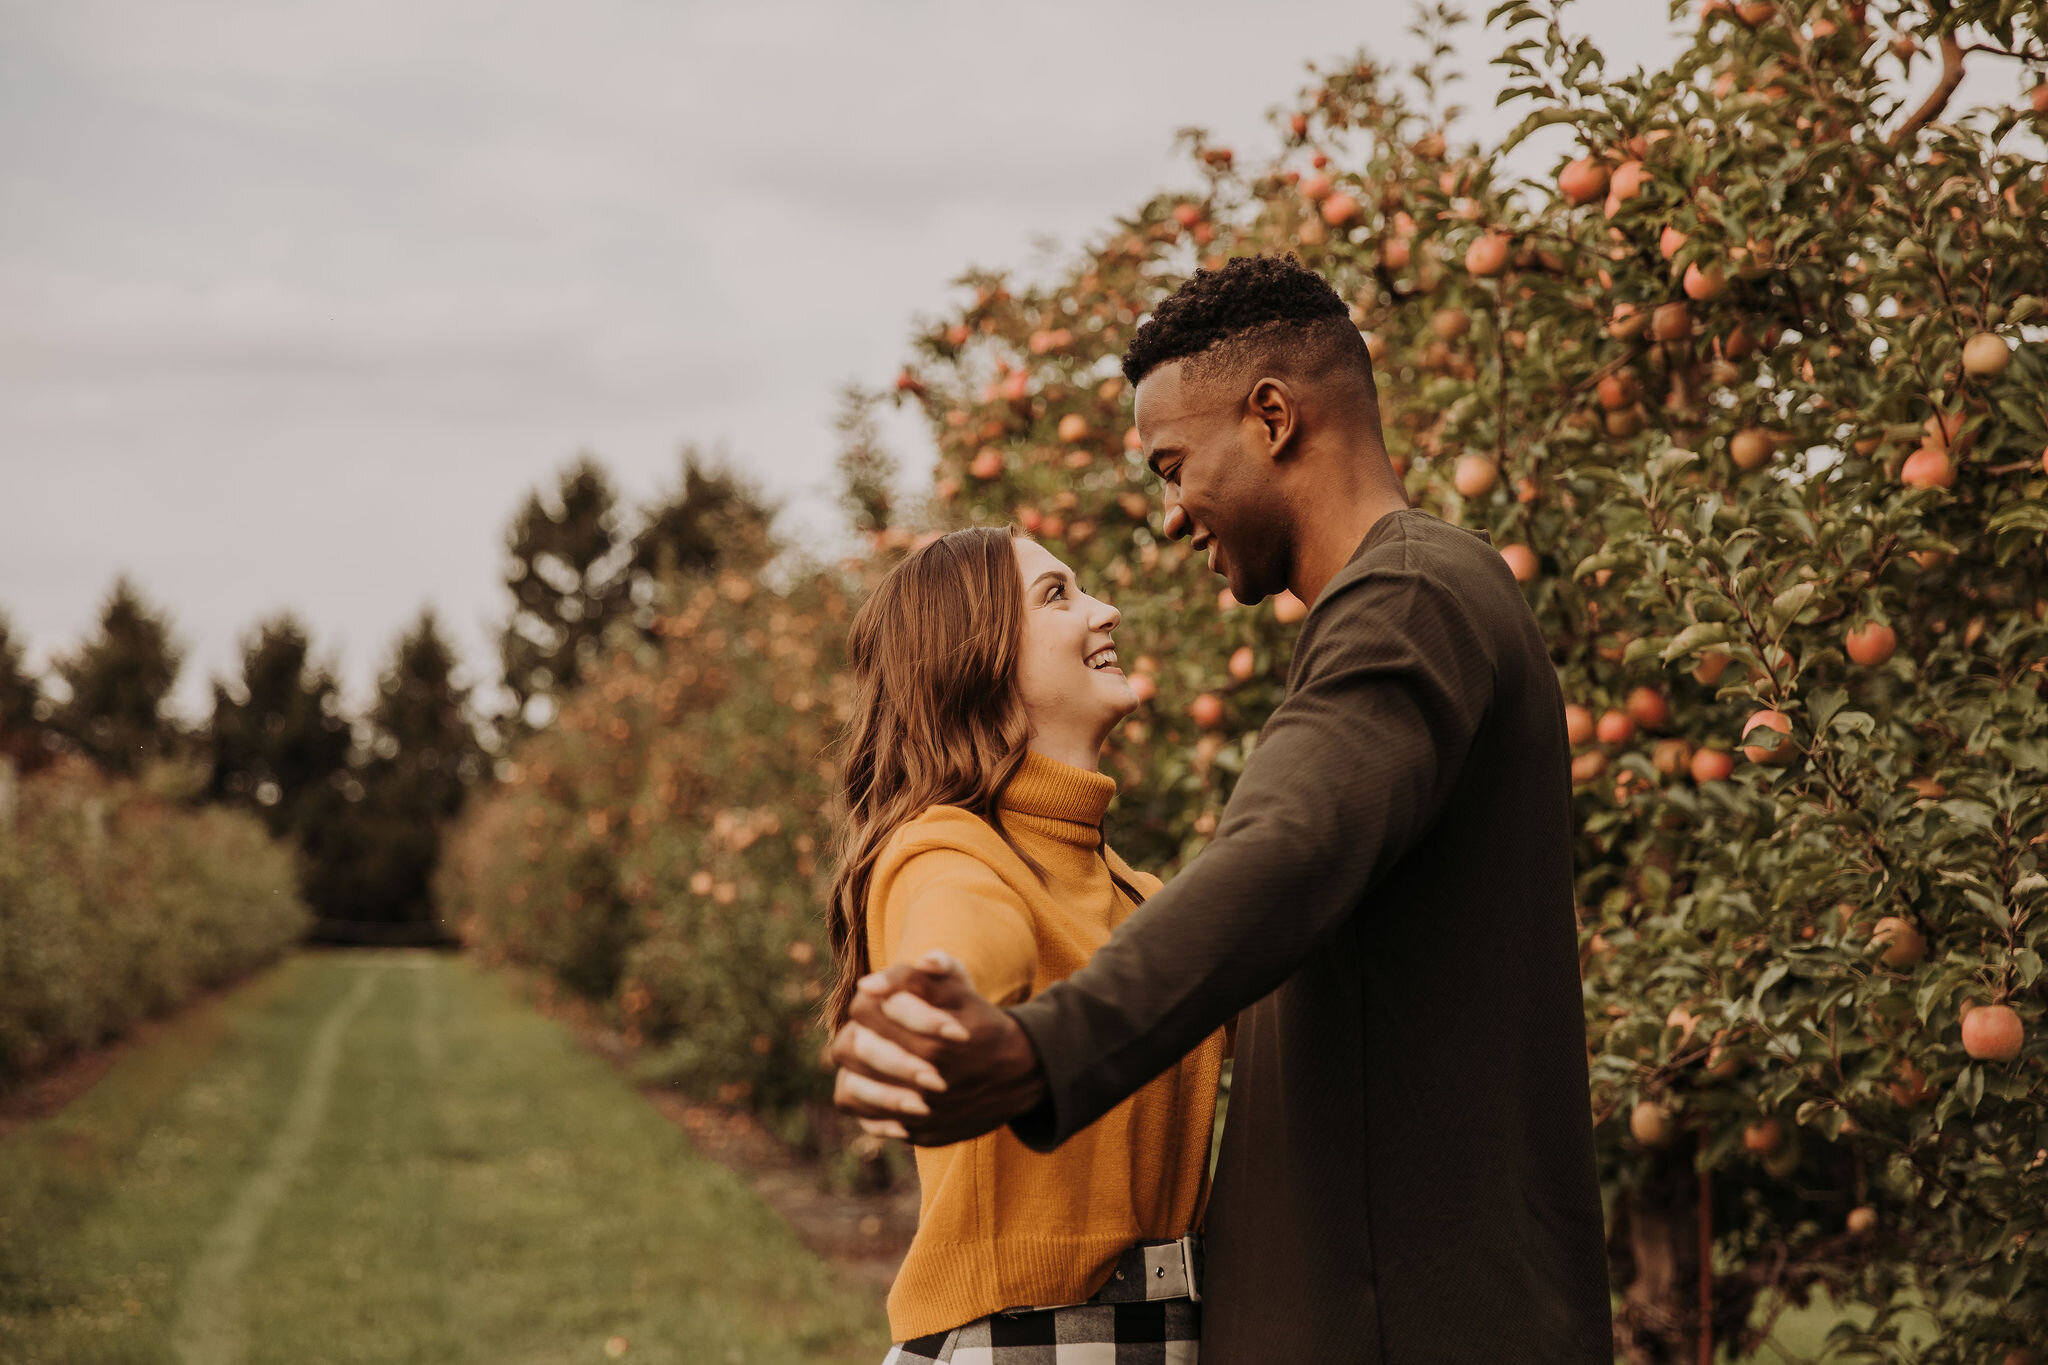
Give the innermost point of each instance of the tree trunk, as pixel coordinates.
(1655, 1240)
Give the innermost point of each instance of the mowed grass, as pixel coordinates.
(468, 1186)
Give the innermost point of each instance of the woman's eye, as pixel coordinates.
(1055, 592)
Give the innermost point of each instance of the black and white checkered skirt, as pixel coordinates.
(1146, 1314)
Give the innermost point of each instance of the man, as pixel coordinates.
(1407, 1168)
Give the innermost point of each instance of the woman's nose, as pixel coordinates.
(1105, 618)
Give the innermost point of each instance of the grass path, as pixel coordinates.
(385, 1158)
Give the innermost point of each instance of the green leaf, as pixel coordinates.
(1697, 637)
(1773, 974)
(1970, 1086)
(1788, 604)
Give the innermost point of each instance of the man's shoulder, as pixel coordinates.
(1415, 555)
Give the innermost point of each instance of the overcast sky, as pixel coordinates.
(297, 300)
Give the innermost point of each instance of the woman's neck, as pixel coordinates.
(1079, 751)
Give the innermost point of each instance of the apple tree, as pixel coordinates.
(1750, 395)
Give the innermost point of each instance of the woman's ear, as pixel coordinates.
(1274, 407)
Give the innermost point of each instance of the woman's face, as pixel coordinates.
(1067, 676)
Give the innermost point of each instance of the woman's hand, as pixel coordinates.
(925, 1057)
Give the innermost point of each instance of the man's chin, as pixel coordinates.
(1246, 594)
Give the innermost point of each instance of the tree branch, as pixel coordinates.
(1937, 98)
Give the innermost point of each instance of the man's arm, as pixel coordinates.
(1348, 774)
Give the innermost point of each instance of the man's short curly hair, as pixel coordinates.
(1272, 309)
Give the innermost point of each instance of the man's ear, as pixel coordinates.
(1276, 408)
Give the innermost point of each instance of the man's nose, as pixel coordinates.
(1174, 524)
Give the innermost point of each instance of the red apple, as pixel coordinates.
(1993, 1033)
(1768, 720)
(1713, 663)
(1763, 1137)
(1671, 321)
(1986, 355)
(1475, 476)
(1488, 255)
(1702, 286)
(1521, 562)
(1871, 643)
(1712, 765)
(1650, 1124)
(1242, 663)
(1206, 710)
(1615, 727)
(1583, 180)
(1903, 945)
(1928, 467)
(1751, 447)
(1648, 708)
(1578, 725)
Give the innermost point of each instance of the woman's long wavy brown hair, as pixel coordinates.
(936, 718)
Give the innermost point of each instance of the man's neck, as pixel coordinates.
(1330, 535)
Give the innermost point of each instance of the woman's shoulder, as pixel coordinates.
(944, 828)
(1144, 883)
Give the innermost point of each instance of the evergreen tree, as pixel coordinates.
(118, 682)
(279, 738)
(713, 519)
(566, 582)
(23, 734)
(372, 842)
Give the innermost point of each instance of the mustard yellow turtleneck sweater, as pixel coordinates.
(1001, 1226)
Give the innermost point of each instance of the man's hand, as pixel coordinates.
(925, 1057)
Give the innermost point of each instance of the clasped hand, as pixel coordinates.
(924, 1057)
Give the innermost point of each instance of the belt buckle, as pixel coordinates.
(1173, 1269)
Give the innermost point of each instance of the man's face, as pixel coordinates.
(1219, 484)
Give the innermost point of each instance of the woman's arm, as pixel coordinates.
(952, 901)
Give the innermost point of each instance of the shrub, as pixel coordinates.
(117, 904)
(661, 846)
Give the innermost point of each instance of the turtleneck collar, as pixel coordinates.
(1052, 790)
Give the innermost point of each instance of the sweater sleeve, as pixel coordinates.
(951, 900)
(1349, 773)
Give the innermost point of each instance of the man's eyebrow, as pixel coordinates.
(1152, 460)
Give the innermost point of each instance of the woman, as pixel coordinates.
(987, 684)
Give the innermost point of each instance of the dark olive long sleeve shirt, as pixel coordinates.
(1407, 1172)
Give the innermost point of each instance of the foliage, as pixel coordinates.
(1762, 367)
(660, 846)
(117, 904)
(117, 684)
(563, 577)
(25, 738)
(372, 842)
(576, 566)
(278, 738)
